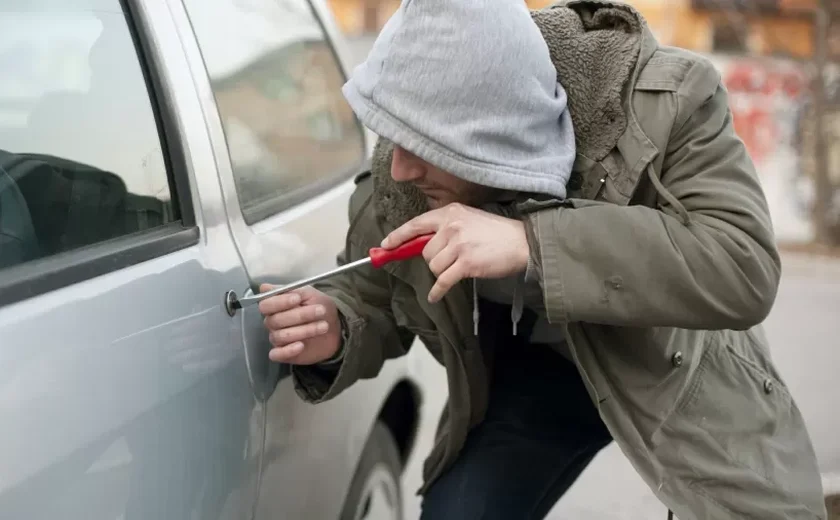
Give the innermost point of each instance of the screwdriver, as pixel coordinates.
(378, 257)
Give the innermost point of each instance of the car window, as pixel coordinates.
(81, 161)
(290, 133)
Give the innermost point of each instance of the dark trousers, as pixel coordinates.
(540, 433)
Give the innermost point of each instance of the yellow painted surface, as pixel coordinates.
(673, 22)
(793, 36)
(348, 15)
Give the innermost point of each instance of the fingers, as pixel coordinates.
(426, 223)
(434, 246)
(281, 302)
(446, 281)
(286, 354)
(290, 335)
(296, 316)
(441, 253)
(443, 249)
(443, 260)
(405, 233)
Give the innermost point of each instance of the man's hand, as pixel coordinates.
(303, 326)
(468, 243)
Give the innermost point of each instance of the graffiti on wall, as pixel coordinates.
(767, 98)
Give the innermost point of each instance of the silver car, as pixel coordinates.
(155, 156)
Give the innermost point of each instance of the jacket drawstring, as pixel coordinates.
(518, 306)
(667, 195)
(475, 306)
(516, 310)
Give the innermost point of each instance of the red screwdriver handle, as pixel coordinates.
(380, 256)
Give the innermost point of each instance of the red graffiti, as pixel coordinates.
(758, 129)
(759, 93)
(756, 78)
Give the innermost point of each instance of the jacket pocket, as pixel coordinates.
(740, 406)
(737, 437)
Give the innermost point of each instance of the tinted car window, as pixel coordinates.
(81, 160)
(277, 84)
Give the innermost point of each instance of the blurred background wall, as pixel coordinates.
(770, 54)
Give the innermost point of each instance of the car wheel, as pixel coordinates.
(375, 491)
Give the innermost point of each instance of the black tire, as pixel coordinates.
(380, 462)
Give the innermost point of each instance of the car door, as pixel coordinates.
(288, 148)
(287, 143)
(124, 389)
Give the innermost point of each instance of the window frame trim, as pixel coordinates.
(44, 275)
(163, 106)
(291, 199)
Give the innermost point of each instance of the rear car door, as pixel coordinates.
(124, 389)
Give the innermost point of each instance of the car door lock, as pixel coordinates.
(230, 303)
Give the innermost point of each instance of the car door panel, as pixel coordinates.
(301, 239)
(287, 148)
(124, 390)
(116, 409)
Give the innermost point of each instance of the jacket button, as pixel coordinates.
(768, 386)
(677, 359)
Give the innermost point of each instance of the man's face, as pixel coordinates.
(441, 188)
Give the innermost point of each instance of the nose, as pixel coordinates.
(405, 166)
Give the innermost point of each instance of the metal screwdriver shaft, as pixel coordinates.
(377, 258)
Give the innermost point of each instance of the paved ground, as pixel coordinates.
(803, 328)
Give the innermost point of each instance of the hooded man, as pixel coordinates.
(598, 271)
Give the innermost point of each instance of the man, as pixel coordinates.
(627, 309)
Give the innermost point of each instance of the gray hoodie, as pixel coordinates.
(468, 86)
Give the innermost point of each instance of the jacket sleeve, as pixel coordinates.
(637, 266)
(372, 336)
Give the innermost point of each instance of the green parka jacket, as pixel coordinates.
(662, 264)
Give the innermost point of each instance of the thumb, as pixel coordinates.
(266, 287)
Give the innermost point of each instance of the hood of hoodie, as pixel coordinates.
(468, 86)
(596, 47)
